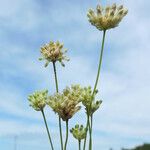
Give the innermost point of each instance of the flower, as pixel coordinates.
(65, 104)
(95, 106)
(52, 52)
(106, 18)
(79, 132)
(38, 99)
(88, 100)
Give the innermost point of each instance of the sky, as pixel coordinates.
(25, 25)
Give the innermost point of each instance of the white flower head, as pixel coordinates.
(52, 52)
(65, 104)
(108, 17)
(38, 99)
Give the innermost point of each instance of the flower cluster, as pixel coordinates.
(38, 99)
(65, 104)
(106, 18)
(79, 132)
(52, 52)
(88, 100)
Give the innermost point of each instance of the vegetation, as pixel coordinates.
(141, 147)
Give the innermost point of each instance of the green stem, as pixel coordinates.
(55, 73)
(47, 129)
(100, 63)
(91, 121)
(90, 130)
(56, 83)
(79, 141)
(96, 82)
(87, 124)
(66, 135)
(60, 131)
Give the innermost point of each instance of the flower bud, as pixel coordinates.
(120, 7)
(95, 106)
(99, 10)
(114, 6)
(79, 132)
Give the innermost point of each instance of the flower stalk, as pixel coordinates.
(100, 63)
(95, 86)
(79, 133)
(55, 74)
(38, 102)
(65, 146)
(79, 142)
(60, 126)
(48, 133)
(87, 125)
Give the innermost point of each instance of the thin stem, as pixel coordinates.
(55, 73)
(60, 131)
(91, 121)
(47, 129)
(96, 82)
(56, 83)
(87, 124)
(90, 130)
(79, 141)
(66, 135)
(100, 63)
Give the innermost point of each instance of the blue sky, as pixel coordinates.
(25, 25)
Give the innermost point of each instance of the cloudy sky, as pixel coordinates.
(124, 87)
